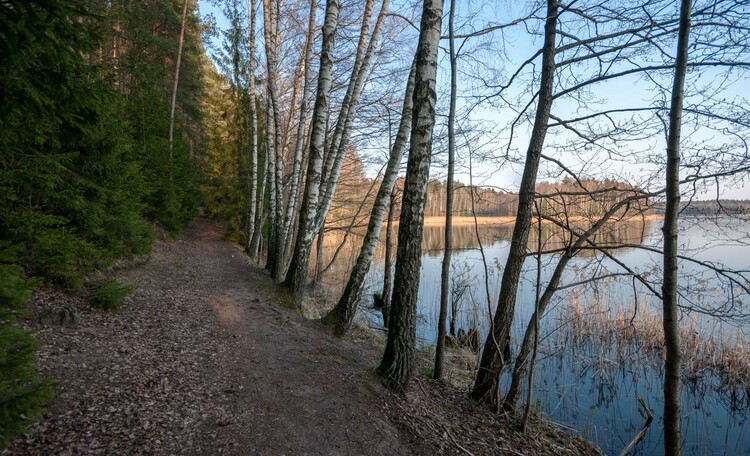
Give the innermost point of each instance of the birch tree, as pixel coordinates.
(296, 278)
(397, 364)
(335, 151)
(345, 119)
(296, 177)
(342, 315)
(176, 79)
(253, 168)
(275, 246)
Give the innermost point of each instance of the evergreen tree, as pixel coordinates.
(84, 156)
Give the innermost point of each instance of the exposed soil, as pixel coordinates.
(203, 358)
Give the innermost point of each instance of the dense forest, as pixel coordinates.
(287, 120)
(97, 147)
(713, 207)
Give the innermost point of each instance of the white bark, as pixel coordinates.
(176, 82)
(346, 117)
(342, 315)
(253, 191)
(276, 246)
(296, 178)
(297, 275)
(398, 357)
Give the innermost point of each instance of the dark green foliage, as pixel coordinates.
(21, 392)
(225, 181)
(85, 165)
(108, 293)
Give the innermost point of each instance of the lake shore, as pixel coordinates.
(509, 220)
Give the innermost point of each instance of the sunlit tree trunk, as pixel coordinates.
(176, 82)
(342, 315)
(296, 178)
(270, 17)
(271, 176)
(486, 385)
(340, 141)
(388, 266)
(398, 357)
(672, 445)
(318, 269)
(297, 275)
(346, 102)
(260, 216)
(253, 174)
(446, 267)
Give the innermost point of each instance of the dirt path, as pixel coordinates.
(203, 359)
(304, 391)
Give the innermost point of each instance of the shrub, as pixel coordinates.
(21, 391)
(108, 293)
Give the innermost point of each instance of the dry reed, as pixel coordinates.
(706, 351)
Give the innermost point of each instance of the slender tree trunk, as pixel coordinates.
(486, 385)
(296, 179)
(176, 82)
(334, 154)
(446, 268)
(398, 357)
(271, 173)
(253, 175)
(270, 16)
(339, 146)
(259, 214)
(297, 276)
(346, 102)
(535, 320)
(672, 444)
(342, 315)
(388, 267)
(531, 329)
(318, 271)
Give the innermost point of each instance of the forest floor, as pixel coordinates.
(204, 358)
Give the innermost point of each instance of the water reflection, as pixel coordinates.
(591, 384)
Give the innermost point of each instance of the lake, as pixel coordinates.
(599, 350)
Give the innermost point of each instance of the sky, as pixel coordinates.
(506, 175)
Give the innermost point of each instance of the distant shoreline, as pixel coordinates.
(509, 220)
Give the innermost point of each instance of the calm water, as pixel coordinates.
(582, 382)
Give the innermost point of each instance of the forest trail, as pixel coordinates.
(203, 359)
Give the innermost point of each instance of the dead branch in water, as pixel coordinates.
(642, 433)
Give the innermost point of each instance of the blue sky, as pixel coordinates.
(624, 92)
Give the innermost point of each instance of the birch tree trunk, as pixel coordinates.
(176, 82)
(672, 444)
(271, 175)
(364, 33)
(340, 142)
(398, 358)
(342, 315)
(388, 266)
(253, 174)
(446, 267)
(270, 17)
(260, 215)
(297, 276)
(485, 390)
(300, 139)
